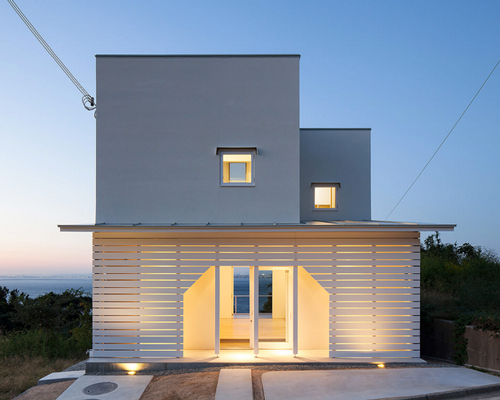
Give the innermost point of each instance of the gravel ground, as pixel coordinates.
(45, 392)
(185, 387)
(290, 367)
(287, 367)
(77, 367)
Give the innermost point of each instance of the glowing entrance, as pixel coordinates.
(261, 314)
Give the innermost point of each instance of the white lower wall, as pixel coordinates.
(313, 313)
(153, 295)
(199, 313)
(279, 293)
(226, 292)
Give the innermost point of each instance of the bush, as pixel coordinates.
(460, 283)
(466, 275)
(52, 325)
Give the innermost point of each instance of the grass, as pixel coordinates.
(18, 374)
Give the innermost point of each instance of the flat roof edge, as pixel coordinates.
(335, 129)
(258, 228)
(197, 55)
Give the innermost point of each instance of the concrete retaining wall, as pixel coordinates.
(483, 347)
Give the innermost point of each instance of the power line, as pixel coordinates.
(87, 100)
(444, 140)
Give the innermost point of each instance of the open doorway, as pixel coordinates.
(235, 308)
(274, 314)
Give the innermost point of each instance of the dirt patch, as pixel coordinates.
(258, 389)
(200, 386)
(49, 391)
(18, 374)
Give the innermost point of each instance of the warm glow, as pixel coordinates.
(236, 158)
(131, 368)
(241, 356)
(236, 168)
(280, 352)
(325, 197)
(381, 365)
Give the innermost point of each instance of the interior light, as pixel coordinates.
(381, 365)
(131, 372)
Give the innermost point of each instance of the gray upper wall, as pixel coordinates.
(160, 119)
(336, 156)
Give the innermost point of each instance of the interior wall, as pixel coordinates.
(279, 293)
(226, 292)
(199, 313)
(313, 313)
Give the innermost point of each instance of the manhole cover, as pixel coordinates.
(99, 388)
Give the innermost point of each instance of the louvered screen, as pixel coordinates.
(373, 281)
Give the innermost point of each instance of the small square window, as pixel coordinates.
(325, 196)
(237, 168)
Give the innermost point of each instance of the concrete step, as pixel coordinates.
(60, 377)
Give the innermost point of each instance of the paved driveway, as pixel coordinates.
(369, 384)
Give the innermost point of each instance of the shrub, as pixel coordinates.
(467, 274)
(52, 325)
(460, 283)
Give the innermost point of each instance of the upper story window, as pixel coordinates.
(237, 166)
(325, 196)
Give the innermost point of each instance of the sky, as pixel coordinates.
(405, 69)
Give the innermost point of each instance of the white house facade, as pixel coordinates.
(202, 168)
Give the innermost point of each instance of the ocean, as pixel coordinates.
(38, 286)
(242, 294)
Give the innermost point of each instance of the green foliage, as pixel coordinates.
(460, 283)
(52, 325)
(468, 275)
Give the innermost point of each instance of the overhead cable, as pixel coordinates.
(87, 100)
(444, 140)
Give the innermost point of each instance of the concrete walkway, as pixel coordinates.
(108, 387)
(60, 377)
(335, 384)
(234, 384)
(370, 384)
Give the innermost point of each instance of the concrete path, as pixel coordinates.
(234, 384)
(369, 384)
(107, 387)
(60, 377)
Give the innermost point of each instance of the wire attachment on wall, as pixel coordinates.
(89, 102)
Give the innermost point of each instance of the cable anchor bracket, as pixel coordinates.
(89, 102)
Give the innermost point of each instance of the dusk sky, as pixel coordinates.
(405, 69)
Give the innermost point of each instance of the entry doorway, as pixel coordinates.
(271, 303)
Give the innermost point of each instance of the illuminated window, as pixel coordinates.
(237, 168)
(325, 196)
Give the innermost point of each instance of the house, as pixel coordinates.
(202, 167)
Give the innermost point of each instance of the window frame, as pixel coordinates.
(236, 151)
(315, 185)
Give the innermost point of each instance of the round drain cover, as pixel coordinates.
(99, 388)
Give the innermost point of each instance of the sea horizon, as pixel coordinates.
(37, 285)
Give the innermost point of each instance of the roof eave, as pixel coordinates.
(304, 227)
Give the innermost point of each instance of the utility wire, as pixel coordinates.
(87, 100)
(444, 140)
